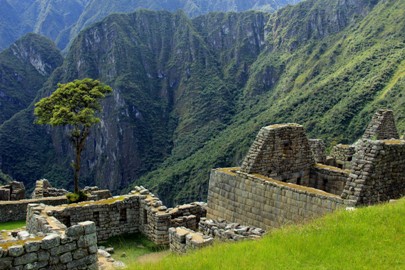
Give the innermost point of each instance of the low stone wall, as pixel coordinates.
(74, 249)
(183, 239)
(17, 210)
(378, 172)
(112, 216)
(44, 189)
(140, 211)
(264, 202)
(328, 178)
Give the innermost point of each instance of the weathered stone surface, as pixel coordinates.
(382, 126)
(5, 263)
(32, 246)
(66, 258)
(26, 259)
(281, 152)
(15, 251)
(50, 241)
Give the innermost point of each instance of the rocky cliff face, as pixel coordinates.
(24, 68)
(61, 21)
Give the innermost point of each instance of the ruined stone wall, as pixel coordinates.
(328, 178)
(378, 172)
(265, 202)
(343, 155)
(17, 210)
(318, 150)
(44, 189)
(112, 216)
(12, 191)
(75, 248)
(382, 126)
(183, 239)
(281, 152)
(156, 219)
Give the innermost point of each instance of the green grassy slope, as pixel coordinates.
(367, 238)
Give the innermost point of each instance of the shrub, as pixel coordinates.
(77, 197)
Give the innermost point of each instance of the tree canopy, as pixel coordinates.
(75, 105)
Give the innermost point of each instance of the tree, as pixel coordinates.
(75, 105)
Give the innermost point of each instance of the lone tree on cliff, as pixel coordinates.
(75, 105)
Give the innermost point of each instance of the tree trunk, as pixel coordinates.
(79, 146)
(77, 167)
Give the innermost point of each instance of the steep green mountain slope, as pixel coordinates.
(331, 83)
(61, 21)
(190, 95)
(24, 67)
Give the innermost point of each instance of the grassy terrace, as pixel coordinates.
(368, 238)
(12, 225)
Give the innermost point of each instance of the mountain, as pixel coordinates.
(61, 21)
(191, 94)
(24, 68)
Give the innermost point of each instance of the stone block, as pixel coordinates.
(26, 259)
(50, 241)
(16, 251)
(32, 246)
(66, 258)
(6, 263)
(75, 231)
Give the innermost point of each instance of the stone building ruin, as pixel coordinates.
(286, 178)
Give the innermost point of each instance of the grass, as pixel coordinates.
(12, 225)
(132, 245)
(368, 238)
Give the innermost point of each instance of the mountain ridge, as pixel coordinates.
(62, 21)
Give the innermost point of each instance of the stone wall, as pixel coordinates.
(342, 155)
(112, 216)
(76, 248)
(44, 189)
(140, 211)
(281, 152)
(382, 126)
(17, 210)
(318, 150)
(328, 178)
(264, 202)
(12, 191)
(183, 239)
(378, 172)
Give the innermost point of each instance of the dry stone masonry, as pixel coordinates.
(382, 126)
(12, 192)
(280, 183)
(318, 150)
(44, 189)
(281, 152)
(183, 239)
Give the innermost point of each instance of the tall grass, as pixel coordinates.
(368, 238)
